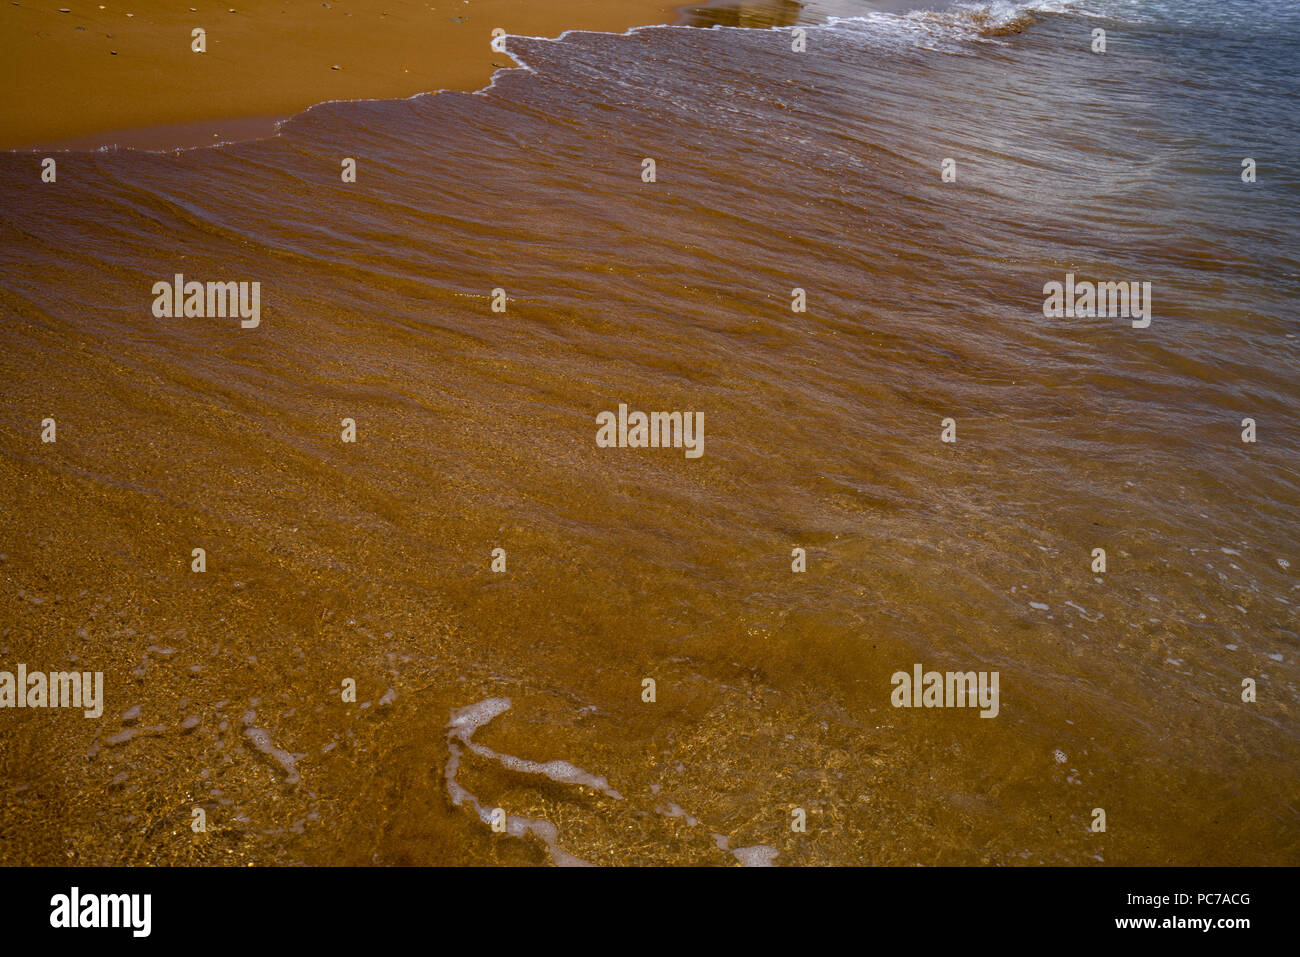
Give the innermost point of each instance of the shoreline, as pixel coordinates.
(107, 75)
(146, 89)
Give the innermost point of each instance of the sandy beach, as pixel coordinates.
(86, 74)
(676, 453)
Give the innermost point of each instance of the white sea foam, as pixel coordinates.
(460, 731)
(261, 739)
(461, 727)
(760, 855)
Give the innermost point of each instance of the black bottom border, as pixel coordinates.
(335, 907)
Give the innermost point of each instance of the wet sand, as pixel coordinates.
(124, 72)
(350, 678)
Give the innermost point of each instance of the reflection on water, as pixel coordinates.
(762, 14)
(752, 13)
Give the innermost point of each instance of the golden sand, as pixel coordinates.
(126, 73)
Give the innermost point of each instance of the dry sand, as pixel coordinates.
(124, 72)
